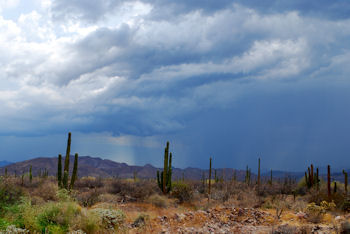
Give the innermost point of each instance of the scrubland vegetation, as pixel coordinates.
(47, 204)
(109, 205)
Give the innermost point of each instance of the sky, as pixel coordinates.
(231, 80)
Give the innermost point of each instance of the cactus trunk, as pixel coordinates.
(209, 186)
(75, 171)
(317, 181)
(259, 176)
(66, 163)
(312, 175)
(59, 170)
(164, 177)
(345, 182)
(30, 174)
(329, 182)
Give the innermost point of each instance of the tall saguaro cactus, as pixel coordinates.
(317, 180)
(209, 185)
(259, 176)
(63, 182)
(247, 175)
(329, 182)
(311, 178)
(75, 171)
(66, 163)
(59, 170)
(345, 182)
(30, 174)
(164, 177)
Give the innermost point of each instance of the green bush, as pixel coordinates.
(9, 194)
(3, 224)
(158, 201)
(51, 217)
(182, 192)
(90, 222)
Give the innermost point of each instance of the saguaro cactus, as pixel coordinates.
(247, 175)
(270, 182)
(259, 176)
(22, 178)
(59, 170)
(329, 182)
(312, 175)
(75, 171)
(209, 186)
(63, 182)
(66, 163)
(30, 174)
(164, 177)
(317, 180)
(203, 179)
(311, 178)
(345, 182)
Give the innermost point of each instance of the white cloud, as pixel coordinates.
(8, 4)
(130, 62)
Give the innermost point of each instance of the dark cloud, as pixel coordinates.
(165, 10)
(323, 9)
(227, 79)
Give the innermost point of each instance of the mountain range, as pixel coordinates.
(97, 167)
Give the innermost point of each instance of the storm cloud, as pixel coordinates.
(231, 79)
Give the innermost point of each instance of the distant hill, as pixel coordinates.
(4, 163)
(97, 167)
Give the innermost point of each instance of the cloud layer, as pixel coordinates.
(159, 68)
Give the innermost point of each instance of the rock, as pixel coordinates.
(140, 221)
(12, 229)
(301, 215)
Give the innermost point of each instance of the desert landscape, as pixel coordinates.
(135, 199)
(185, 116)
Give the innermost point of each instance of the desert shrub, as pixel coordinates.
(111, 219)
(63, 195)
(299, 204)
(314, 212)
(328, 205)
(286, 229)
(182, 192)
(246, 198)
(140, 221)
(46, 190)
(158, 201)
(89, 182)
(56, 217)
(133, 191)
(90, 222)
(88, 198)
(109, 198)
(9, 194)
(345, 227)
(3, 224)
(345, 206)
(35, 200)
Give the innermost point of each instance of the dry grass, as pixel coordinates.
(142, 200)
